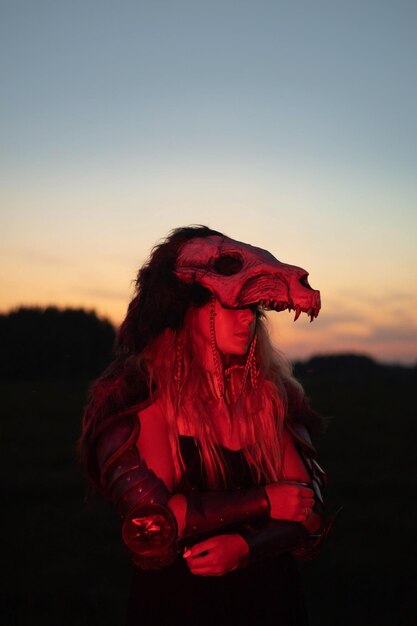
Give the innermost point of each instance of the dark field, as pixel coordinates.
(64, 560)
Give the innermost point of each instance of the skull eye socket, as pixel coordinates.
(228, 264)
(304, 281)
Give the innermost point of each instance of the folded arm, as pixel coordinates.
(153, 519)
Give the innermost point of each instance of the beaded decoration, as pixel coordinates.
(250, 366)
(216, 358)
(179, 365)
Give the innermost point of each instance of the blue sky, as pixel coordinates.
(290, 125)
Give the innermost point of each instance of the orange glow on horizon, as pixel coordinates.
(298, 340)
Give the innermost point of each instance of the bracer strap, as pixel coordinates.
(273, 538)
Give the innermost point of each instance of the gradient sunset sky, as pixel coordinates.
(290, 125)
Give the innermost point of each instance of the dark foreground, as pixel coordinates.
(64, 562)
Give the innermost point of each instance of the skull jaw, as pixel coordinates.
(267, 291)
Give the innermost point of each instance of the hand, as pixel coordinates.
(216, 556)
(290, 501)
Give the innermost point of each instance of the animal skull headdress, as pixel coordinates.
(240, 275)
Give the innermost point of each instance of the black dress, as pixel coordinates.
(261, 594)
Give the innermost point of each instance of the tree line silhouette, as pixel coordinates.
(40, 343)
(51, 343)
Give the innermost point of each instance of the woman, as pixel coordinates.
(200, 436)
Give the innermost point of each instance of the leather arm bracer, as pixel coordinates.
(220, 510)
(274, 537)
(149, 529)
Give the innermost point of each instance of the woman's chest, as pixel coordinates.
(223, 428)
(229, 436)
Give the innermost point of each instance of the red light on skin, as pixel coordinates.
(233, 328)
(216, 556)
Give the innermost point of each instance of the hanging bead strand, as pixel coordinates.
(216, 358)
(178, 363)
(250, 367)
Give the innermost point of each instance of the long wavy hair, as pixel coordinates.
(156, 359)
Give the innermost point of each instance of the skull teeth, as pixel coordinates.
(297, 312)
(282, 305)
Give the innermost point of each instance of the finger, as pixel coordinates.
(195, 555)
(295, 483)
(307, 502)
(205, 567)
(206, 572)
(199, 566)
(198, 549)
(187, 552)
